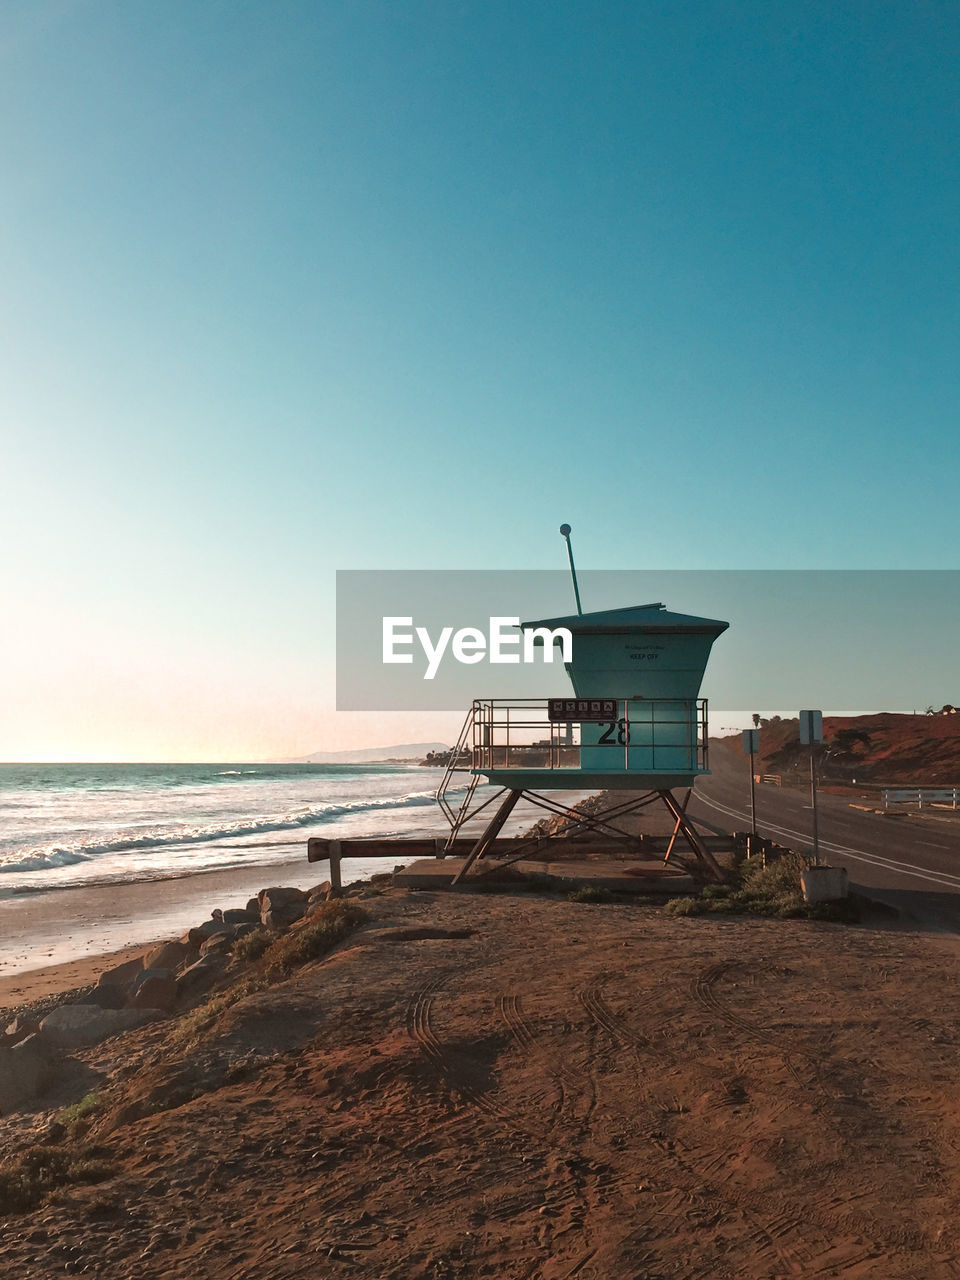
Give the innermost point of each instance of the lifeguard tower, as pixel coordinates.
(635, 723)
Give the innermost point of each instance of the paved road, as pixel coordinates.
(910, 862)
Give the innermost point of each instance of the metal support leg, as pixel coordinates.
(491, 833)
(691, 835)
(676, 827)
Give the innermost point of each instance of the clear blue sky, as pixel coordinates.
(296, 287)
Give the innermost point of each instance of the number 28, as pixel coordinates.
(622, 730)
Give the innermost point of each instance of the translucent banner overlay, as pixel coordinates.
(842, 640)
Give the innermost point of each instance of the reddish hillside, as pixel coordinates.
(883, 749)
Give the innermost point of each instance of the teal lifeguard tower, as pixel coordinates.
(635, 722)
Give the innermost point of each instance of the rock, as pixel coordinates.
(279, 897)
(219, 942)
(204, 973)
(22, 1026)
(253, 908)
(321, 893)
(145, 975)
(26, 1070)
(278, 921)
(240, 915)
(122, 974)
(75, 1026)
(280, 907)
(170, 955)
(156, 993)
(108, 997)
(209, 929)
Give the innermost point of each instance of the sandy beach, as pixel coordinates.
(508, 1085)
(57, 941)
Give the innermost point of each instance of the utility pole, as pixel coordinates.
(811, 734)
(751, 744)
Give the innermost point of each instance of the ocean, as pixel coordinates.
(67, 826)
(97, 857)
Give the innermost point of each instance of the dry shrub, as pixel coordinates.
(329, 924)
(771, 890)
(28, 1180)
(253, 944)
(591, 893)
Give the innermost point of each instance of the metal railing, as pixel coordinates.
(943, 797)
(647, 735)
(457, 764)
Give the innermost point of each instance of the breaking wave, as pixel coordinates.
(51, 856)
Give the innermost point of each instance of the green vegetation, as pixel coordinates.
(74, 1118)
(252, 945)
(329, 924)
(193, 1024)
(591, 893)
(27, 1181)
(773, 890)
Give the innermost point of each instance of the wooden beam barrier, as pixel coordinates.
(320, 849)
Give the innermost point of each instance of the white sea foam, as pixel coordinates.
(51, 856)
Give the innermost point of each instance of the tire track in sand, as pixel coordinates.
(798, 1248)
(570, 1085)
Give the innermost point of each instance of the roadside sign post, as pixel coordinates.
(751, 745)
(811, 734)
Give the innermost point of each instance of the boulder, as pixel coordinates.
(26, 1070)
(209, 929)
(108, 997)
(219, 942)
(319, 893)
(22, 1026)
(240, 915)
(145, 975)
(253, 908)
(204, 973)
(121, 975)
(278, 921)
(280, 907)
(156, 993)
(75, 1026)
(170, 955)
(279, 897)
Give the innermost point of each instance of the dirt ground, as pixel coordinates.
(502, 1085)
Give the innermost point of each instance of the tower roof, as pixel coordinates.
(649, 618)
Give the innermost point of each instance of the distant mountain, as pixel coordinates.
(370, 755)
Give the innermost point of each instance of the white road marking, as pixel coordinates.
(859, 855)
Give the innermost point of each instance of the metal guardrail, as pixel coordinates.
(920, 796)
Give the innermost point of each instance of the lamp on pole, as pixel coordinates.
(565, 532)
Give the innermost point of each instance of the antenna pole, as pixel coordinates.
(565, 531)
